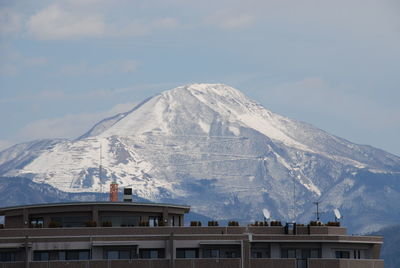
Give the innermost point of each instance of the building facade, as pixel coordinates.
(116, 234)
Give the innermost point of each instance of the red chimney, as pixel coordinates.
(114, 192)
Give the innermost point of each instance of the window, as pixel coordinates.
(260, 250)
(113, 255)
(157, 253)
(41, 256)
(51, 255)
(175, 221)
(124, 255)
(341, 254)
(122, 221)
(73, 255)
(71, 221)
(304, 253)
(187, 253)
(61, 255)
(357, 254)
(291, 253)
(314, 253)
(119, 253)
(231, 254)
(8, 256)
(36, 223)
(211, 253)
(257, 254)
(153, 221)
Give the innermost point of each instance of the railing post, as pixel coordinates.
(26, 253)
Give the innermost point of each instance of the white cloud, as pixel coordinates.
(69, 20)
(140, 27)
(40, 96)
(8, 70)
(68, 126)
(231, 20)
(35, 61)
(110, 67)
(12, 64)
(55, 22)
(10, 21)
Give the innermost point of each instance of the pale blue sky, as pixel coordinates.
(66, 64)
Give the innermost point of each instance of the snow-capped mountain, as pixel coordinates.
(210, 146)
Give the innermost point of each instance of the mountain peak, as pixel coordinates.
(220, 90)
(210, 146)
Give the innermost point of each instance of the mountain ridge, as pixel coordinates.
(212, 139)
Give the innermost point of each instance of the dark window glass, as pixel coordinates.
(305, 253)
(61, 255)
(187, 253)
(190, 253)
(340, 254)
(291, 253)
(36, 223)
(210, 253)
(151, 253)
(124, 255)
(121, 253)
(41, 256)
(72, 255)
(71, 221)
(231, 254)
(83, 255)
(121, 221)
(300, 253)
(8, 256)
(77, 255)
(112, 255)
(180, 253)
(256, 254)
(284, 253)
(314, 253)
(36, 256)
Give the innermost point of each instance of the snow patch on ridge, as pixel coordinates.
(213, 148)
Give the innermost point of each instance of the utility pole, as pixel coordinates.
(294, 199)
(317, 213)
(100, 172)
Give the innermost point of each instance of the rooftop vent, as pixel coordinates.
(127, 194)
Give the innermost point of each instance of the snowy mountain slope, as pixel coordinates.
(210, 146)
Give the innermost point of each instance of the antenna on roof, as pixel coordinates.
(338, 216)
(100, 172)
(294, 200)
(317, 213)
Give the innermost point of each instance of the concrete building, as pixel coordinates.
(126, 234)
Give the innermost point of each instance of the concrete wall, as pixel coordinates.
(92, 264)
(14, 222)
(344, 263)
(207, 263)
(272, 263)
(201, 263)
(366, 251)
(183, 263)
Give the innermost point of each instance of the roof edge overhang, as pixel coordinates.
(3, 210)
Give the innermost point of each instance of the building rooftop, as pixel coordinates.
(3, 210)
